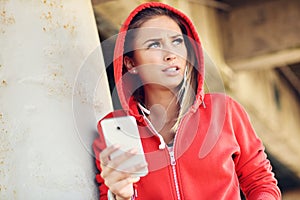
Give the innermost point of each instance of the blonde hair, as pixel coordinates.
(186, 94)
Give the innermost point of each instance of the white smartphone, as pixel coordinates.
(124, 131)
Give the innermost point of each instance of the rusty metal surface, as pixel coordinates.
(44, 44)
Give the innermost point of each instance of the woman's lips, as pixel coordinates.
(172, 70)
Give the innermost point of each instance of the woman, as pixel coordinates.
(198, 146)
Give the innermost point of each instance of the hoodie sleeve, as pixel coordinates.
(253, 169)
(98, 146)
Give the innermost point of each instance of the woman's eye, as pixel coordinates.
(154, 45)
(178, 41)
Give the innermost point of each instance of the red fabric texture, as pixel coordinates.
(217, 151)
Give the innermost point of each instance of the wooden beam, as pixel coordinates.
(214, 4)
(261, 29)
(272, 60)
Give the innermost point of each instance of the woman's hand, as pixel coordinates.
(119, 182)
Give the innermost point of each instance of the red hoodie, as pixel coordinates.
(216, 151)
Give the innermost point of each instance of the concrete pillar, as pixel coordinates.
(53, 90)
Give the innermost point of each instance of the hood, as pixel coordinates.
(124, 81)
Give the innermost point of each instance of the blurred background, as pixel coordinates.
(255, 46)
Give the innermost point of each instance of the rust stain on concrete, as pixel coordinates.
(47, 16)
(58, 84)
(53, 3)
(3, 83)
(6, 19)
(69, 27)
(3, 188)
(5, 148)
(54, 17)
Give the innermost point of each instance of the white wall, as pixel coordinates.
(50, 64)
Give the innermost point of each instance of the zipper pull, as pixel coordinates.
(172, 157)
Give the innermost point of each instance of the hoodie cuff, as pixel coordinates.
(111, 196)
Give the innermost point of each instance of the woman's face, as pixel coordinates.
(160, 53)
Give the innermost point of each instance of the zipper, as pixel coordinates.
(172, 157)
(173, 164)
(173, 160)
(171, 153)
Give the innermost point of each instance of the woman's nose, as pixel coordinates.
(169, 56)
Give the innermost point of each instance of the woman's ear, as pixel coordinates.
(128, 62)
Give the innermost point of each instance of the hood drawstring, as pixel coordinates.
(204, 106)
(144, 110)
(162, 144)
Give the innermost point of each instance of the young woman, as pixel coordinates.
(198, 146)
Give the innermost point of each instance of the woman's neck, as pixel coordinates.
(164, 110)
(162, 101)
